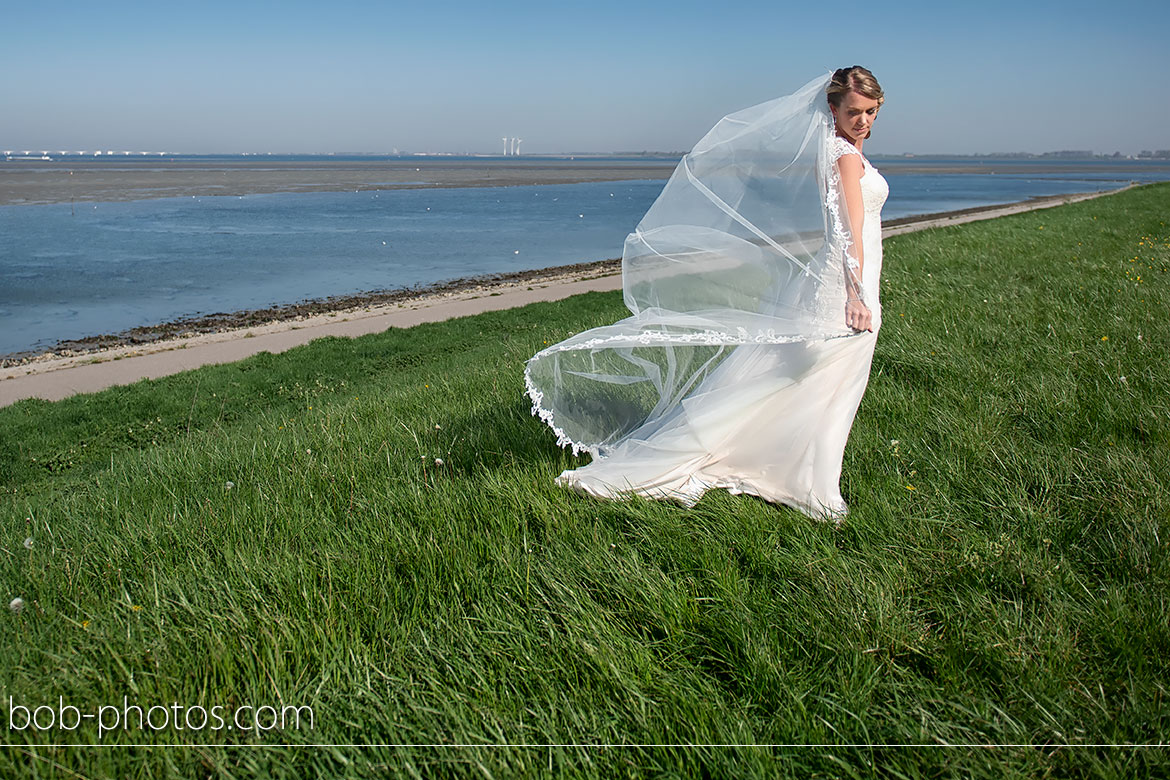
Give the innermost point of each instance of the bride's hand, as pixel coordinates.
(858, 316)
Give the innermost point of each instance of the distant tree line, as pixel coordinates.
(1085, 154)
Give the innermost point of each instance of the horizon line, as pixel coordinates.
(50, 154)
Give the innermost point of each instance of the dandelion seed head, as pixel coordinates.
(28, 543)
(16, 605)
(438, 461)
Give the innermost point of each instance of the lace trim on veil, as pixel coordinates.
(742, 336)
(837, 147)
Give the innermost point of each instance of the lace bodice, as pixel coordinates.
(874, 191)
(874, 188)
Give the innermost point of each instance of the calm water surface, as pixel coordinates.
(72, 271)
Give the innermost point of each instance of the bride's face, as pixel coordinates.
(855, 115)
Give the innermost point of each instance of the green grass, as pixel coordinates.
(1002, 577)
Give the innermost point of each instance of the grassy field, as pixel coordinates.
(369, 528)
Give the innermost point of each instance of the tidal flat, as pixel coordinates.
(73, 179)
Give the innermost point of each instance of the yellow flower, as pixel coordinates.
(135, 607)
(911, 487)
(1104, 338)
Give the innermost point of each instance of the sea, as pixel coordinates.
(69, 271)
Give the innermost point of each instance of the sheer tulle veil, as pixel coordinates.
(745, 245)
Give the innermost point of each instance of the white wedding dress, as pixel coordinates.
(764, 407)
(779, 432)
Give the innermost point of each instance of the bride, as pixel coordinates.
(752, 284)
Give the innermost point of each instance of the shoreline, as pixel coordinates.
(220, 322)
(280, 327)
(226, 322)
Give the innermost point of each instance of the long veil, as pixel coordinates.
(745, 244)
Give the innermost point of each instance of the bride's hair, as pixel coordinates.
(856, 79)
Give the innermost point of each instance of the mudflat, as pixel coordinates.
(73, 179)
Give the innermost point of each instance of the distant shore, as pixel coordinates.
(80, 180)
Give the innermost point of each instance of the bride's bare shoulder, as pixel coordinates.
(851, 166)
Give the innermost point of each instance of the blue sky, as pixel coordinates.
(592, 77)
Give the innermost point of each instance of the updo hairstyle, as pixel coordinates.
(856, 79)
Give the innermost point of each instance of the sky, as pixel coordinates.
(599, 76)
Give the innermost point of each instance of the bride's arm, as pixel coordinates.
(851, 169)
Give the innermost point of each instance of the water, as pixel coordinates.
(72, 271)
(917, 189)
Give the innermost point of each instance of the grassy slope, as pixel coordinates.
(1002, 577)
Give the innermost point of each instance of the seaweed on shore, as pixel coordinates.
(218, 322)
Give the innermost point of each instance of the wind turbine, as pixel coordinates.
(518, 142)
(505, 140)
